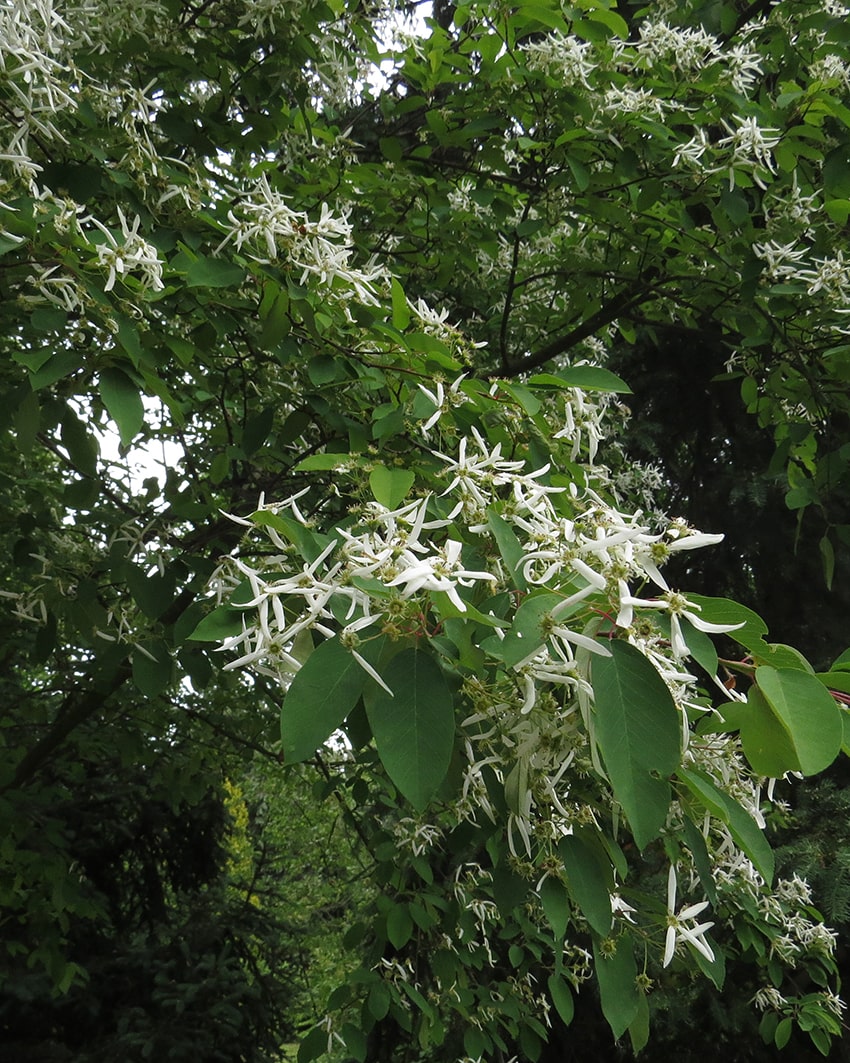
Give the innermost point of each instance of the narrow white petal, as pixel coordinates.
(704, 625)
(364, 664)
(671, 889)
(669, 945)
(693, 910)
(582, 640)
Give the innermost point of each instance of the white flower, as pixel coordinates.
(441, 572)
(443, 400)
(831, 69)
(751, 148)
(677, 605)
(831, 276)
(628, 100)
(133, 255)
(562, 55)
(621, 908)
(678, 931)
(583, 423)
(781, 259)
(743, 68)
(692, 150)
(683, 49)
(268, 228)
(769, 997)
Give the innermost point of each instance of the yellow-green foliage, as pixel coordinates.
(240, 858)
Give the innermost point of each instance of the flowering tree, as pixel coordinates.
(360, 280)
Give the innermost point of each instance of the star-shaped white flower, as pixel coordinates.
(677, 930)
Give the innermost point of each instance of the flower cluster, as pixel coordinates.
(402, 572)
(269, 230)
(31, 40)
(132, 254)
(563, 56)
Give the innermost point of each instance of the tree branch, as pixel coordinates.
(619, 305)
(753, 10)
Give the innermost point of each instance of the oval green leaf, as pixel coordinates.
(590, 880)
(222, 623)
(414, 729)
(807, 712)
(743, 828)
(616, 973)
(325, 689)
(390, 486)
(123, 403)
(638, 733)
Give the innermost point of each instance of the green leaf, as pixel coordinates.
(355, 1041)
(81, 446)
(743, 828)
(152, 593)
(8, 242)
(389, 486)
(123, 403)
(222, 623)
(523, 396)
(588, 377)
(446, 609)
(639, 733)
(841, 662)
(475, 1044)
(214, 273)
(516, 786)
(414, 729)
(725, 611)
(562, 998)
(699, 852)
(256, 430)
(379, 1001)
(27, 422)
(63, 364)
(698, 642)
(323, 369)
(274, 313)
(526, 634)
(616, 973)
(391, 148)
(309, 544)
(713, 969)
(581, 174)
(314, 1045)
(322, 462)
(509, 547)
(839, 681)
(782, 1035)
(325, 689)
(614, 22)
(778, 655)
(401, 311)
(836, 173)
(556, 906)
(808, 714)
(399, 926)
(590, 880)
(838, 210)
(639, 1026)
(766, 743)
(153, 670)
